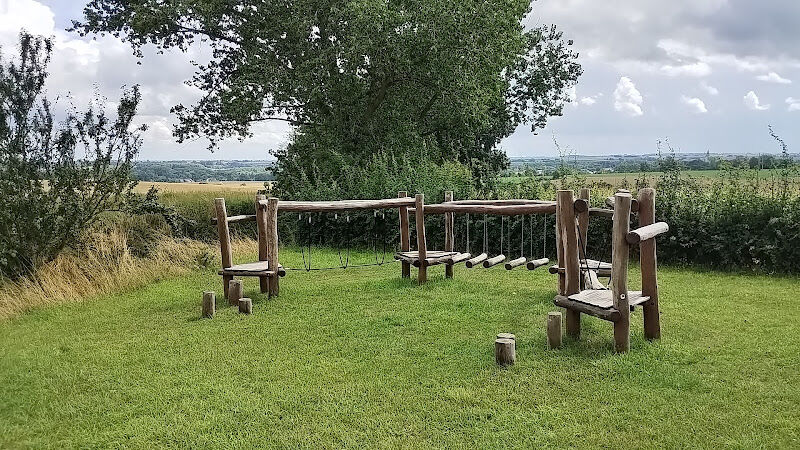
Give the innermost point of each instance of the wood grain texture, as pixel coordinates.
(449, 234)
(209, 306)
(569, 239)
(477, 260)
(271, 220)
(619, 270)
(505, 352)
(646, 232)
(554, 333)
(422, 245)
(261, 226)
(343, 205)
(405, 232)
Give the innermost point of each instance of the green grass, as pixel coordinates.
(362, 358)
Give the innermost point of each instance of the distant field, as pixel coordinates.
(219, 186)
(617, 178)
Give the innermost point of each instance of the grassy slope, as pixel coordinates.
(353, 357)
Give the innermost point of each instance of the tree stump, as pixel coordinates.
(245, 305)
(506, 336)
(209, 305)
(505, 352)
(235, 292)
(554, 330)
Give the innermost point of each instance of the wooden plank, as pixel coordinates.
(422, 245)
(646, 232)
(619, 270)
(449, 234)
(343, 205)
(649, 266)
(611, 315)
(405, 239)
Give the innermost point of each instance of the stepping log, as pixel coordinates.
(476, 260)
(235, 292)
(505, 351)
(536, 263)
(245, 305)
(491, 262)
(209, 305)
(459, 258)
(554, 330)
(516, 262)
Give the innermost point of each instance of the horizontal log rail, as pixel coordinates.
(495, 210)
(340, 205)
(508, 202)
(234, 219)
(646, 232)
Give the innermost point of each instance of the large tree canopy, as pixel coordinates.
(357, 77)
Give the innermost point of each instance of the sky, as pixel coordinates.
(708, 75)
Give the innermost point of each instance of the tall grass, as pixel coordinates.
(106, 265)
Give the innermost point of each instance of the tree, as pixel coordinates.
(447, 78)
(55, 179)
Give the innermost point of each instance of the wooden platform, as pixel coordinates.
(253, 269)
(597, 303)
(602, 298)
(433, 257)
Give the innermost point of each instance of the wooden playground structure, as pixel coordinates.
(579, 289)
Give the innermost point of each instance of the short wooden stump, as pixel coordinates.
(554, 330)
(235, 292)
(209, 305)
(505, 351)
(245, 305)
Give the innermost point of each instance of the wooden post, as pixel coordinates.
(505, 352)
(261, 225)
(422, 246)
(209, 305)
(649, 266)
(245, 305)
(554, 330)
(271, 228)
(569, 239)
(619, 270)
(224, 240)
(235, 292)
(583, 227)
(559, 253)
(405, 240)
(449, 234)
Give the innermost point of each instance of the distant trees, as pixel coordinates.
(447, 79)
(55, 178)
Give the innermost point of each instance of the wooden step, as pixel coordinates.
(602, 298)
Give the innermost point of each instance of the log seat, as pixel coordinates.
(598, 302)
(253, 269)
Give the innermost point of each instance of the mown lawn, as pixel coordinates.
(362, 358)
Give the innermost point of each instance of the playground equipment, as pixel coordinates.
(613, 305)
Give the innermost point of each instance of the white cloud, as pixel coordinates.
(751, 101)
(591, 99)
(696, 69)
(773, 77)
(628, 99)
(695, 103)
(794, 104)
(708, 88)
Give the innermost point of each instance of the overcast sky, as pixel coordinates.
(707, 74)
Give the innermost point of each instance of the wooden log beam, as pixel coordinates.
(422, 243)
(459, 258)
(234, 219)
(601, 212)
(619, 271)
(646, 232)
(536, 263)
(261, 226)
(271, 227)
(500, 202)
(581, 204)
(491, 262)
(449, 234)
(342, 205)
(569, 241)
(496, 210)
(649, 266)
(476, 260)
(514, 263)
